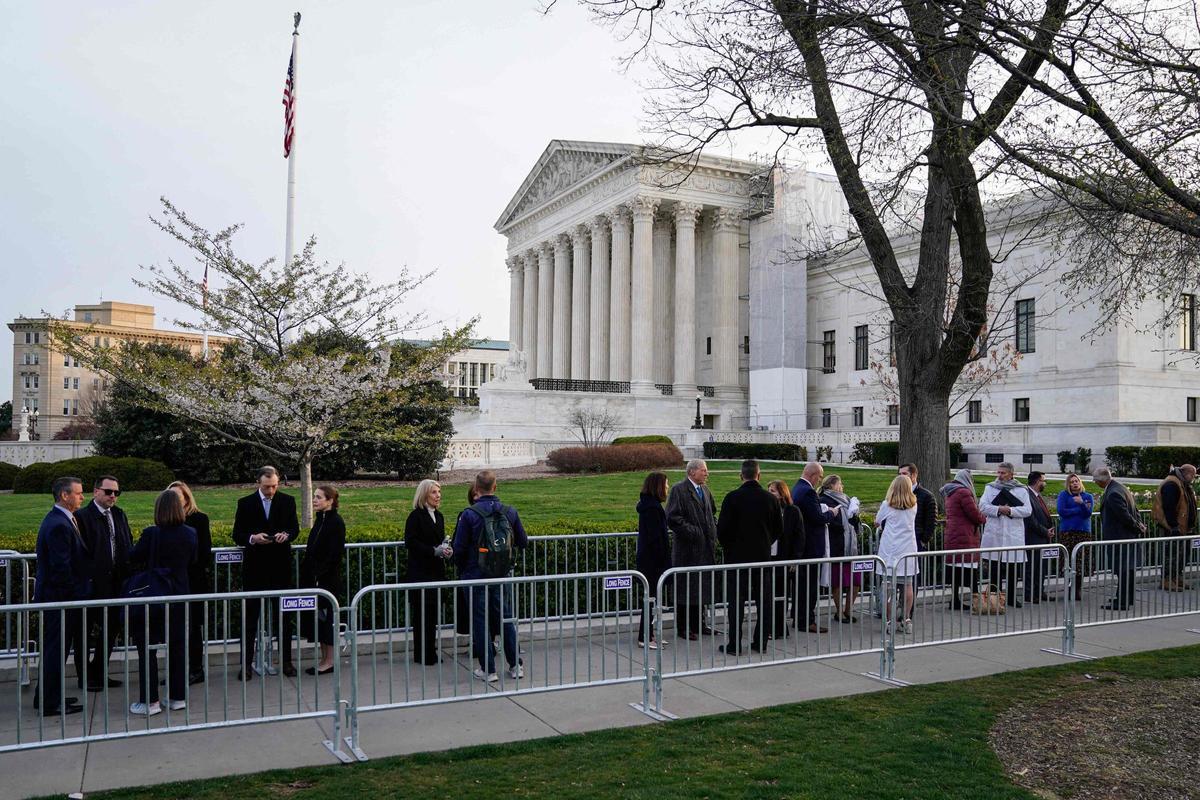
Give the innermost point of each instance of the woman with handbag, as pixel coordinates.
(963, 520)
(321, 568)
(428, 551)
(167, 549)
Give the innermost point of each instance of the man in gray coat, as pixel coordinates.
(691, 516)
(1119, 519)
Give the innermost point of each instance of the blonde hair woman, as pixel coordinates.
(897, 517)
(425, 541)
(199, 579)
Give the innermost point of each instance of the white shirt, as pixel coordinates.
(266, 504)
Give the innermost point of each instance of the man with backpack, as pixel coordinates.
(484, 539)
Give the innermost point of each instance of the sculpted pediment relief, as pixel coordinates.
(561, 167)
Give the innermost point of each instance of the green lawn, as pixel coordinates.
(925, 742)
(591, 504)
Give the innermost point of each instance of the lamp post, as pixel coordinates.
(33, 429)
(698, 424)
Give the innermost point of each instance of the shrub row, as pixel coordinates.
(888, 453)
(652, 438)
(763, 451)
(624, 458)
(134, 473)
(8, 473)
(1149, 462)
(1081, 457)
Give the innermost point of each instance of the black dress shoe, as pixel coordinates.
(245, 674)
(707, 631)
(315, 671)
(729, 651)
(71, 701)
(288, 671)
(195, 677)
(1113, 605)
(69, 708)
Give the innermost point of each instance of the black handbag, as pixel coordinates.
(153, 581)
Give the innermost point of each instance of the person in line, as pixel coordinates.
(1005, 505)
(1174, 511)
(926, 518)
(816, 517)
(489, 522)
(1119, 520)
(462, 604)
(106, 535)
(691, 516)
(427, 548)
(199, 580)
(1039, 529)
(168, 546)
(63, 575)
(653, 544)
(843, 542)
(1075, 526)
(963, 521)
(898, 518)
(789, 548)
(750, 523)
(321, 568)
(266, 524)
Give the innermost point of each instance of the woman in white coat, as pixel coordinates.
(897, 516)
(1004, 505)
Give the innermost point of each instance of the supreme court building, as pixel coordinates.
(639, 287)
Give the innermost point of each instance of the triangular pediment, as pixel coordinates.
(562, 165)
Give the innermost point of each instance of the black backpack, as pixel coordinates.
(494, 542)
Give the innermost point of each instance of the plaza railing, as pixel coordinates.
(220, 699)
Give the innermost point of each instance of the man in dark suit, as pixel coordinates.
(265, 525)
(1039, 529)
(106, 534)
(926, 525)
(62, 576)
(1119, 520)
(690, 516)
(816, 516)
(749, 524)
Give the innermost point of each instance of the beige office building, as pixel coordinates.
(62, 390)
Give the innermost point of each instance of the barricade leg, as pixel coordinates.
(1067, 649)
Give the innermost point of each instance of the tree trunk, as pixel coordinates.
(306, 514)
(924, 408)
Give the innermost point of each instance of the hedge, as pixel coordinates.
(133, 473)
(887, 453)
(8, 473)
(652, 438)
(763, 452)
(625, 458)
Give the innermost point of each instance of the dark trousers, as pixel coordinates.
(958, 576)
(689, 619)
(1035, 576)
(491, 608)
(808, 589)
(1124, 566)
(254, 609)
(423, 607)
(1175, 557)
(59, 629)
(1004, 575)
(742, 585)
(100, 641)
(196, 626)
(176, 638)
(783, 589)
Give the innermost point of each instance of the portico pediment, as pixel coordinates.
(562, 165)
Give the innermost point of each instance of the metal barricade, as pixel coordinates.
(1132, 579)
(954, 595)
(790, 620)
(120, 698)
(16, 582)
(556, 632)
(568, 554)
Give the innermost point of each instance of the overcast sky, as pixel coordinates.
(416, 123)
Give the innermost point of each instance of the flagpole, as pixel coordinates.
(289, 250)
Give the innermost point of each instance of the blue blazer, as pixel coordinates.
(63, 571)
(804, 497)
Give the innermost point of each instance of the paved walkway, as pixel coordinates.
(207, 753)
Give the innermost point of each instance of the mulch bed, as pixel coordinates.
(1118, 740)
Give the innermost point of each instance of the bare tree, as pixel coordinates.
(937, 102)
(592, 425)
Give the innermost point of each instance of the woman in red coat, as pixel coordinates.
(963, 519)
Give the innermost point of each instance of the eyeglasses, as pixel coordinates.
(112, 492)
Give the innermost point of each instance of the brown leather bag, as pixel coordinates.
(988, 600)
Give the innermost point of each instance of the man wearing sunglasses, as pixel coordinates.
(106, 535)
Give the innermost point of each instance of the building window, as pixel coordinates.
(1021, 409)
(1187, 322)
(826, 417)
(746, 345)
(33, 405)
(27, 386)
(66, 383)
(106, 341)
(708, 346)
(37, 337)
(1191, 409)
(893, 414)
(860, 347)
(75, 383)
(95, 384)
(37, 358)
(75, 407)
(66, 361)
(1031, 458)
(35, 381)
(892, 343)
(975, 411)
(66, 408)
(87, 316)
(1025, 317)
(28, 337)
(994, 458)
(828, 352)
(858, 416)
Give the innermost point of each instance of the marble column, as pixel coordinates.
(727, 224)
(685, 298)
(560, 366)
(664, 346)
(581, 317)
(529, 313)
(598, 367)
(545, 307)
(641, 295)
(516, 282)
(619, 303)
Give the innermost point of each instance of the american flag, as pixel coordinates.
(204, 287)
(289, 103)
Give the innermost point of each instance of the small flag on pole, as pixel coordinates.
(204, 288)
(289, 103)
